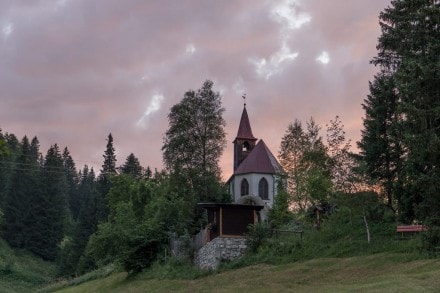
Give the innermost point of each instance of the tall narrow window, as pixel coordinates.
(263, 189)
(244, 187)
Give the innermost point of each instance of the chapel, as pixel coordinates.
(253, 185)
(257, 173)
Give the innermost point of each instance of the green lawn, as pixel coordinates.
(374, 273)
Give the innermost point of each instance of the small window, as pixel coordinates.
(244, 187)
(246, 146)
(263, 189)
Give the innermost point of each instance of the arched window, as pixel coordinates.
(246, 146)
(244, 187)
(263, 189)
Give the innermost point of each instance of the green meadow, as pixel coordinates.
(383, 272)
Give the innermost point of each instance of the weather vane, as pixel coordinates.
(244, 98)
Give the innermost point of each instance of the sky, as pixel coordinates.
(73, 71)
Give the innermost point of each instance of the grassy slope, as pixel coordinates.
(21, 271)
(385, 272)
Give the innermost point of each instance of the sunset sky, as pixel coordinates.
(72, 71)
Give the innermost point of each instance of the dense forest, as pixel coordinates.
(83, 219)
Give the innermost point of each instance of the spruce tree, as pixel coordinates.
(35, 151)
(4, 168)
(408, 50)
(8, 158)
(49, 208)
(380, 145)
(72, 183)
(132, 166)
(24, 185)
(148, 173)
(3, 147)
(14, 149)
(104, 184)
(87, 223)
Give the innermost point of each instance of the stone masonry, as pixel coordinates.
(220, 249)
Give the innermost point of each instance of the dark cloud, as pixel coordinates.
(73, 71)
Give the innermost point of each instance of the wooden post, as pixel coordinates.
(368, 229)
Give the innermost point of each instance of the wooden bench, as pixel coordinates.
(410, 229)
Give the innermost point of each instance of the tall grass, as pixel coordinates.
(90, 276)
(385, 272)
(21, 271)
(340, 235)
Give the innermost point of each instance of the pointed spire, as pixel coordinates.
(245, 130)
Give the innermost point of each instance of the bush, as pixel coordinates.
(6, 268)
(280, 214)
(431, 240)
(174, 268)
(141, 256)
(258, 233)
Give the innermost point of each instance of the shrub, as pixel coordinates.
(257, 234)
(431, 240)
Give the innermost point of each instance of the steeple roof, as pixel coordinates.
(259, 160)
(245, 130)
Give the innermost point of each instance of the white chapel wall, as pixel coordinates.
(253, 180)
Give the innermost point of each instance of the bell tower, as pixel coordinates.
(245, 141)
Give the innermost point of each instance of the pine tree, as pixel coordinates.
(23, 187)
(148, 173)
(3, 147)
(72, 183)
(35, 150)
(4, 167)
(104, 184)
(87, 223)
(109, 165)
(380, 144)
(132, 167)
(408, 51)
(49, 209)
(7, 163)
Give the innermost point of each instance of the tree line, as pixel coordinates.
(83, 220)
(45, 202)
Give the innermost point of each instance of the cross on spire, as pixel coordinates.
(244, 98)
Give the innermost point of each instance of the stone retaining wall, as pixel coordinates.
(219, 249)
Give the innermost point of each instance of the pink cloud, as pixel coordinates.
(70, 74)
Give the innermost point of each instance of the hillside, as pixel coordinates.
(20, 271)
(385, 272)
(335, 258)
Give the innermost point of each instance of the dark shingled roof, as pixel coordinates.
(245, 130)
(260, 160)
